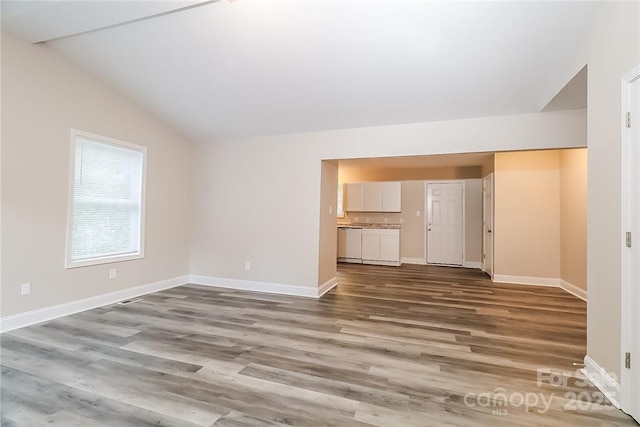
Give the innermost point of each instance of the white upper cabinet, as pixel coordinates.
(391, 196)
(373, 197)
(354, 197)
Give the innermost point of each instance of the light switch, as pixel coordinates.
(417, 213)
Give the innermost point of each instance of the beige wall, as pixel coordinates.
(43, 97)
(540, 215)
(355, 174)
(328, 232)
(527, 214)
(573, 217)
(412, 233)
(488, 166)
(473, 220)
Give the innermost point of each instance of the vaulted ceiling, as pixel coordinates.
(256, 67)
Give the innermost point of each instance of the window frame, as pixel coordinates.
(98, 260)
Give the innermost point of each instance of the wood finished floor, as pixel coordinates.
(408, 346)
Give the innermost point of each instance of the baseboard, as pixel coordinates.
(376, 262)
(249, 285)
(419, 261)
(525, 280)
(542, 281)
(33, 317)
(327, 286)
(574, 290)
(351, 260)
(602, 380)
(472, 264)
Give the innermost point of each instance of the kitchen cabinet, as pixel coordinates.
(391, 196)
(373, 197)
(350, 245)
(381, 246)
(354, 197)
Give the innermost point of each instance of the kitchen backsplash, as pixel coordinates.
(372, 217)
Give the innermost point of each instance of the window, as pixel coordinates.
(106, 209)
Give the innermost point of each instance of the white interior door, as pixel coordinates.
(487, 224)
(630, 381)
(445, 228)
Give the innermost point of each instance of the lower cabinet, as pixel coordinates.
(381, 246)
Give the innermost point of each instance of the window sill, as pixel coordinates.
(103, 260)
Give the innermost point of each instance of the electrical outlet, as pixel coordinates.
(112, 273)
(385, 219)
(25, 288)
(247, 265)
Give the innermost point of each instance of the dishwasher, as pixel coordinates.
(350, 244)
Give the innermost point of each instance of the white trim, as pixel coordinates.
(602, 380)
(629, 337)
(68, 261)
(525, 280)
(573, 289)
(407, 260)
(250, 285)
(472, 264)
(16, 321)
(542, 281)
(327, 286)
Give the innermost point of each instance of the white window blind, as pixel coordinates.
(106, 218)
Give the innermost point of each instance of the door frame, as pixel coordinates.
(484, 249)
(630, 339)
(427, 200)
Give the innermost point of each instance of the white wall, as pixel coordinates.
(43, 97)
(256, 199)
(611, 49)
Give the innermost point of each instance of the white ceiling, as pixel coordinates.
(258, 67)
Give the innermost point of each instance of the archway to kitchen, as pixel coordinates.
(538, 233)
